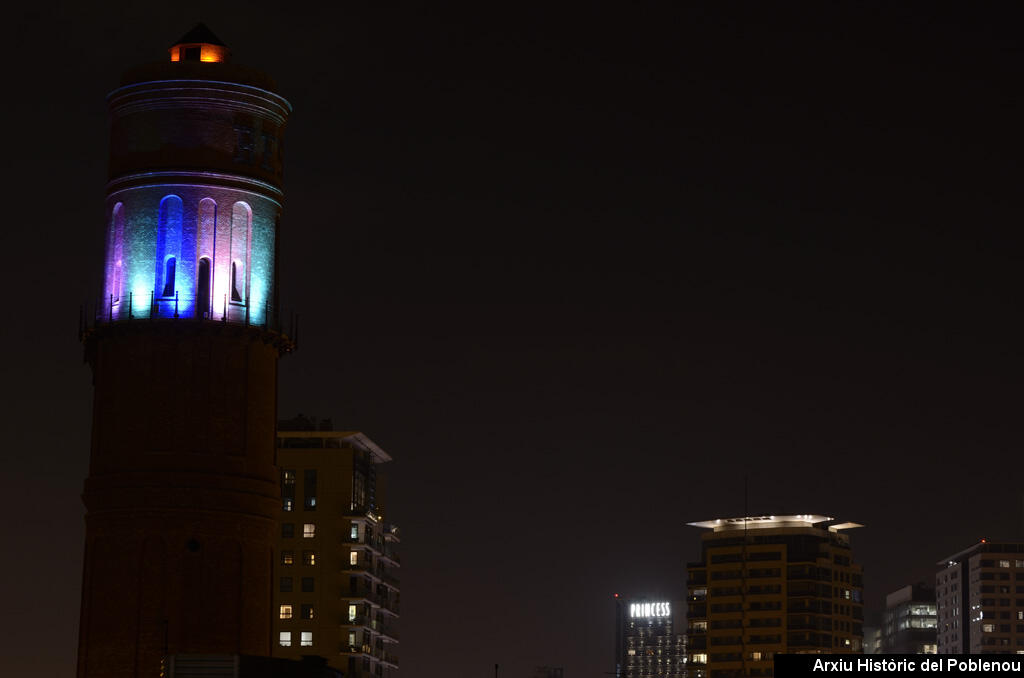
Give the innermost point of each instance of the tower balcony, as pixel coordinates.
(147, 310)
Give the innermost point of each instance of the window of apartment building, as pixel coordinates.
(351, 638)
(287, 530)
(288, 489)
(306, 639)
(354, 532)
(309, 530)
(988, 628)
(1018, 563)
(309, 489)
(307, 584)
(698, 658)
(353, 557)
(309, 557)
(286, 584)
(307, 612)
(353, 612)
(285, 639)
(1004, 563)
(287, 557)
(285, 612)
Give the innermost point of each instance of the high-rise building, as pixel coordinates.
(182, 498)
(336, 588)
(980, 597)
(909, 621)
(771, 584)
(650, 639)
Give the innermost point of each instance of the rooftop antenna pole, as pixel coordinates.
(743, 581)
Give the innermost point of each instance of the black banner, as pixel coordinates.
(824, 665)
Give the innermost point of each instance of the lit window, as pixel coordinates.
(698, 659)
(289, 476)
(307, 639)
(755, 656)
(353, 557)
(352, 639)
(286, 612)
(309, 530)
(287, 503)
(309, 557)
(286, 639)
(354, 532)
(1004, 563)
(988, 628)
(307, 612)
(287, 557)
(352, 612)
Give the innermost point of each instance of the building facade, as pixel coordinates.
(649, 638)
(336, 583)
(771, 584)
(909, 625)
(182, 496)
(980, 597)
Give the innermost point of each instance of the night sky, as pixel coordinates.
(578, 272)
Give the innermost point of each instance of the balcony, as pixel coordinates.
(143, 306)
(374, 654)
(388, 632)
(359, 620)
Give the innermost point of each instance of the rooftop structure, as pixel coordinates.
(768, 584)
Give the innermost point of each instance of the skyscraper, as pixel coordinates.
(336, 583)
(650, 639)
(771, 584)
(182, 497)
(980, 596)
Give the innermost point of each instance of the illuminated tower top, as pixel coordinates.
(200, 44)
(195, 190)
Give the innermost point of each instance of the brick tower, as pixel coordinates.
(182, 495)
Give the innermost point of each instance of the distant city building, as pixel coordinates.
(649, 641)
(771, 584)
(336, 590)
(910, 621)
(872, 640)
(549, 672)
(980, 596)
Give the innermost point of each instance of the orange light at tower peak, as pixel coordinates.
(204, 52)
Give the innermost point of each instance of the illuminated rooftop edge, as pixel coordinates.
(360, 440)
(772, 521)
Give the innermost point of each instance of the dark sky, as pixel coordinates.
(577, 272)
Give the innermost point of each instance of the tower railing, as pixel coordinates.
(148, 307)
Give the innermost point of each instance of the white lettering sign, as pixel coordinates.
(650, 610)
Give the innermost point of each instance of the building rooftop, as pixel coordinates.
(772, 521)
(332, 439)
